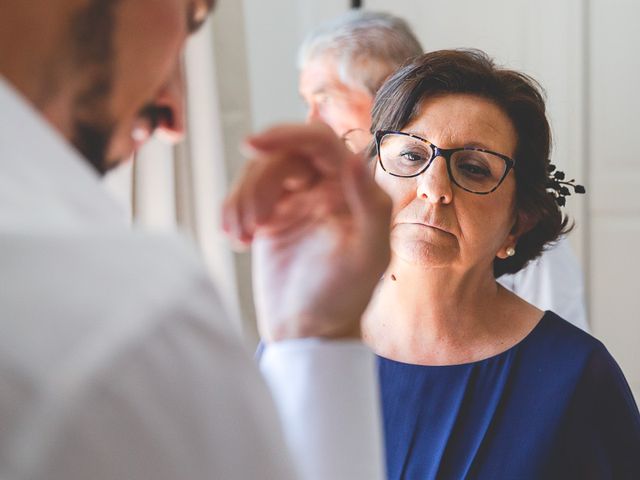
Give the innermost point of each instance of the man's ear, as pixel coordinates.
(371, 158)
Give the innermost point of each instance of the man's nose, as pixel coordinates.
(171, 102)
(313, 114)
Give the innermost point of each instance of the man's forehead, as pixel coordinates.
(320, 75)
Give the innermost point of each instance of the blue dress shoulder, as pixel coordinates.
(554, 406)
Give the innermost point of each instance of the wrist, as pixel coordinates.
(312, 327)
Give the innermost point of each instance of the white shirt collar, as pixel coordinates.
(43, 180)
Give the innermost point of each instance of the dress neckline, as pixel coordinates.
(547, 314)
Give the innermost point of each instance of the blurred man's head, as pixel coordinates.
(105, 73)
(344, 62)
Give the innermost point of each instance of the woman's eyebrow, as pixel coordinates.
(469, 144)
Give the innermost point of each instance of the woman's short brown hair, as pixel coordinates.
(473, 72)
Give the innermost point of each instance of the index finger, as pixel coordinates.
(315, 141)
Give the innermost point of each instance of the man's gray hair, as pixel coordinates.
(367, 47)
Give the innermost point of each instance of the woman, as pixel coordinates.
(477, 383)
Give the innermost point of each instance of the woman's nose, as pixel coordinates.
(434, 184)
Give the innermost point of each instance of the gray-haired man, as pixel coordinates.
(344, 63)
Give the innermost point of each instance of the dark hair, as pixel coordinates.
(473, 72)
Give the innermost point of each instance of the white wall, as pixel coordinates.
(614, 177)
(274, 29)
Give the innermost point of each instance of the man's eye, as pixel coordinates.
(322, 99)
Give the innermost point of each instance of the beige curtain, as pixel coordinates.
(182, 187)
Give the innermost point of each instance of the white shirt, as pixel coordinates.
(118, 362)
(554, 281)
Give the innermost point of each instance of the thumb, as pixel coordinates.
(368, 203)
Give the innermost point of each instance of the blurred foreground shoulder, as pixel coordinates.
(123, 364)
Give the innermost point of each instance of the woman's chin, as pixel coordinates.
(423, 252)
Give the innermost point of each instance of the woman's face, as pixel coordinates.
(436, 223)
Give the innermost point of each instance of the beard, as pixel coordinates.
(92, 127)
(92, 141)
(92, 29)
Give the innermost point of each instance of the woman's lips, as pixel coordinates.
(435, 226)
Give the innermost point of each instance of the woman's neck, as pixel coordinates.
(440, 316)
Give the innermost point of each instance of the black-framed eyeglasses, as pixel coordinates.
(475, 170)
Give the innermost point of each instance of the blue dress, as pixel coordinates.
(554, 406)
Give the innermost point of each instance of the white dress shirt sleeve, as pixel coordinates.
(328, 398)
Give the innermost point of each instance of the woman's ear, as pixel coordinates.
(522, 224)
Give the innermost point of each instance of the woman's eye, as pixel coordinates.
(412, 156)
(474, 169)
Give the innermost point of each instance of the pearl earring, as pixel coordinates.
(511, 252)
